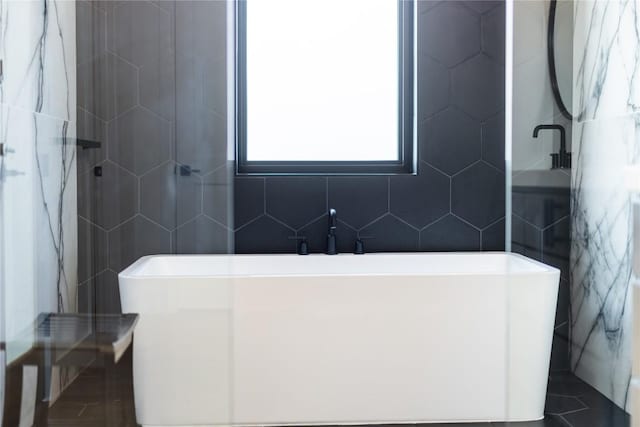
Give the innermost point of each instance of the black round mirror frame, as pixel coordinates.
(552, 61)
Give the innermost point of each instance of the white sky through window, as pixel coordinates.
(322, 80)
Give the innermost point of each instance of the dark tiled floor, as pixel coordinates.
(570, 403)
(99, 397)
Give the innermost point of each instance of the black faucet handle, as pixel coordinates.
(359, 246)
(303, 246)
(333, 219)
(565, 160)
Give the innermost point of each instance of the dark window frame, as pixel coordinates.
(407, 144)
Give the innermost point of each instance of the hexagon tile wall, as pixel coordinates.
(151, 88)
(159, 109)
(456, 202)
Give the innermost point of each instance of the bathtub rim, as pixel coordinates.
(132, 271)
(453, 423)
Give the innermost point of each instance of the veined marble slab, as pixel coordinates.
(606, 59)
(38, 48)
(605, 141)
(40, 221)
(37, 124)
(601, 256)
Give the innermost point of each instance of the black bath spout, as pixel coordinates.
(331, 235)
(561, 159)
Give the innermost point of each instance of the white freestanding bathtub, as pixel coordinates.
(379, 338)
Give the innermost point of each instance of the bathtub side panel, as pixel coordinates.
(532, 308)
(181, 350)
(369, 350)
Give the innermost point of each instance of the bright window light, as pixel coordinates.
(322, 80)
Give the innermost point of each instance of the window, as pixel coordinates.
(325, 86)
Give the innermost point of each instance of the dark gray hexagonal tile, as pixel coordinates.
(218, 195)
(450, 234)
(560, 350)
(203, 236)
(477, 195)
(189, 195)
(139, 140)
(493, 32)
(562, 404)
(91, 23)
(565, 383)
(107, 293)
(564, 300)
(190, 76)
(296, 201)
(100, 295)
(92, 250)
(420, 200)
(493, 141)
(520, 200)
(493, 237)
(425, 5)
(140, 32)
(201, 28)
(548, 421)
(85, 298)
(91, 128)
(166, 5)
(539, 206)
(107, 86)
(158, 64)
(215, 86)
(157, 86)
(201, 137)
(110, 199)
(556, 243)
(602, 412)
(433, 91)
(450, 33)
(248, 194)
(450, 141)
(201, 133)
(389, 234)
(170, 197)
(316, 234)
(107, 5)
(526, 239)
(136, 238)
(478, 86)
(359, 200)
(483, 6)
(265, 235)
